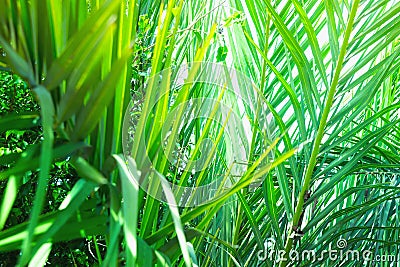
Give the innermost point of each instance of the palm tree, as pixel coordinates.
(299, 126)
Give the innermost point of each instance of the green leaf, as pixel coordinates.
(47, 114)
(222, 53)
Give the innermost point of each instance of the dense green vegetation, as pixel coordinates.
(17, 98)
(116, 149)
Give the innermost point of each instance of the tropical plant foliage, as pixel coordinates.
(325, 76)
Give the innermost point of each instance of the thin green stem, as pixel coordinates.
(98, 254)
(320, 133)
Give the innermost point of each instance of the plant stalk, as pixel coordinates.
(320, 134)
